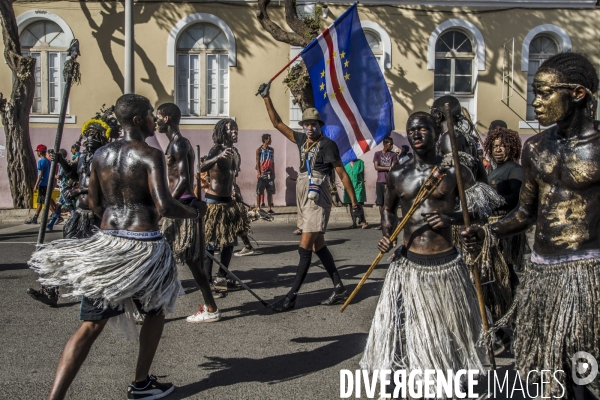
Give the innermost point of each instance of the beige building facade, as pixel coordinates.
(210, 57)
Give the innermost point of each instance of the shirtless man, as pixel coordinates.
(128, 188)
(559, 301)
(224, 218)
(183, 234)
(81, 224)
(421, 272)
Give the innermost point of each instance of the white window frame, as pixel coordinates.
(453, 57)
(23, 21)
(203, 87)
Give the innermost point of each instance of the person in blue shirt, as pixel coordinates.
(41, 183)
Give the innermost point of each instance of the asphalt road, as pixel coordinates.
(251, 353)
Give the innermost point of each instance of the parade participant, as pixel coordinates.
(265, 172)
(356, 171)
(75, 153)
(558, 303)
(225, 219)
(128, 188)
(384, 160)
(466, 139)
(183, 234)
(64, 183)
(428, 276)
(41, 183)
(318, 156)
(83, 221)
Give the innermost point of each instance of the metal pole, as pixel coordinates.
(129, 86)
(73, 53)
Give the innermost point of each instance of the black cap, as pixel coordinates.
(497, 123)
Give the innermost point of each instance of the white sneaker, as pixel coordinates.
(244, 252)
(202, 315)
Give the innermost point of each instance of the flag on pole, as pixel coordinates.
(349, 88)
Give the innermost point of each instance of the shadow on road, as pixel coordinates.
(275, 369)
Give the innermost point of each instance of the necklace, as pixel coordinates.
(308, 148)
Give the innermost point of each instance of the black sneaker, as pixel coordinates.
(271, 212)
(60, 220)
(32, 220)
(46, 296)
(152, 390)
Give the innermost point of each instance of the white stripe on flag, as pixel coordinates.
(347, 96)
(335, 105)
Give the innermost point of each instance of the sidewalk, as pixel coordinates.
(284, 215)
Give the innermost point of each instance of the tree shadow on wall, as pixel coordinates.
(110, 30)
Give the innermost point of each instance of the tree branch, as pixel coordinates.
(275, 30)
(297, 25)
(10, 34)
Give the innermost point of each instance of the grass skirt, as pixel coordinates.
(427, 318)
(558, 314)
(182, 236)
(225, 221)
(111, 270)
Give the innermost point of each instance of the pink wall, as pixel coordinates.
(286, 160)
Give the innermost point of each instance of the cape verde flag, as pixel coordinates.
(349, 89)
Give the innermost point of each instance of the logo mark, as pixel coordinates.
(584, 368)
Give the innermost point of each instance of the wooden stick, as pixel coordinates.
(467, 220)
(200, 220)
(426, 189)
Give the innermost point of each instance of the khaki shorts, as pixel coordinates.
(312, 217)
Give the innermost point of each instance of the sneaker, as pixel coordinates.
(47, 296)
(244, 252)
(262, 204)
(217, 294)
(152, 390)
(202, 315)
(60, 220)
(32, 220)
(271, 212)
(49, 227)
(298, 231)
(229, 285)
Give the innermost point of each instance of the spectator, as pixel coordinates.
(41, 183)
(265, 172)
(75, 154)
(356, 172)
(384, 160)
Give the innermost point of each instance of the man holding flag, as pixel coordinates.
(342, 68)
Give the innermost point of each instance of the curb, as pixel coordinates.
(11, 215)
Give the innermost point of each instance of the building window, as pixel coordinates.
(454, 61)
(541, 48)
(202, 86)
(375, 44)
(47, 44)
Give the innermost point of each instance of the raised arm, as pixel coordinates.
(165, 204)
(184, 178)
(213, 156)
(278, 124)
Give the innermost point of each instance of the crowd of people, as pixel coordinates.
(143, 208)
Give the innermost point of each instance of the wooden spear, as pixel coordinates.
(467, 220)
(200, 219)
(71, 72)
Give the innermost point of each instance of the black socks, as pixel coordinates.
(303, 265)
(327, 260)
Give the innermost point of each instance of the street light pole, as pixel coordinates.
(129, 86)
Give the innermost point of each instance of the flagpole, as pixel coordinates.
(299, 54)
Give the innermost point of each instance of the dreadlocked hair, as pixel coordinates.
(574, 68)
(510, 139)
(220, 135)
